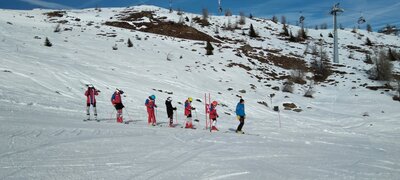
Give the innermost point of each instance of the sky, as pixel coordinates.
(378, 13)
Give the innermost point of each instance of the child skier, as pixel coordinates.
(151, 104)
(91, 94)
(241, 115)
(214, 115)
(188, 113)
(116, 100)
(170, 110)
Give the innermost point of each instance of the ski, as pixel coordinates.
(243, 133)
(98, 120)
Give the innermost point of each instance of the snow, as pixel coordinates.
(42, 134)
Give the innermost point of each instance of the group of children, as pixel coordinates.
(151, 106)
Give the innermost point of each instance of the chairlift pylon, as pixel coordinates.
(361, 20)
(219, 6)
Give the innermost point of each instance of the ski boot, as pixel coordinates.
(213, 128)
(239, 132)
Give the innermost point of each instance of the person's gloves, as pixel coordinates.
(155, 106)
(174, 108)
(238, 117)
(193, 108)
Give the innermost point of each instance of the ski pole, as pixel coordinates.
(112, 114)
(176, 117)
(130, 118)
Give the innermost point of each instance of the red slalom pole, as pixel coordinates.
(205, 108)
(209, 104)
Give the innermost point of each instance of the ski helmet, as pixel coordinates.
(214, 103)
(153, 97)
(119, 90)
(190, 99)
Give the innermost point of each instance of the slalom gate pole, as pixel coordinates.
(205, 108)
(209, 104)
(279, 116)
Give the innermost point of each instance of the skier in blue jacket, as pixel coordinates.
(241, 115)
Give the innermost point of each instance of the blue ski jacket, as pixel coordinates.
(240, 110)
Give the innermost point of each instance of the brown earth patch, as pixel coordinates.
(159, 26)
(55, 14)
(247, 68)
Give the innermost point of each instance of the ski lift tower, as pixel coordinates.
(219, 7)
(335, 11)
(170, 6)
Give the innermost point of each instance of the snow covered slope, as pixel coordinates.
(345, 132)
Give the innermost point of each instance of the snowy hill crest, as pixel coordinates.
(341, 116)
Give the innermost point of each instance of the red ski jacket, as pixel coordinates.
(116, 98)
(188, 108)
(150, 104)
(213, 113)
(91, 94)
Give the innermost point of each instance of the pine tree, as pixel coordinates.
(252, 32)
(292, 38)
(368, 59)
(275, 19)
(130, 43)
(302, 34)
(285, 30)
(47, 42)
(369, 28)
(368, 42)
(283, 19)
(242, 19)
(391, 56)
(209, 48)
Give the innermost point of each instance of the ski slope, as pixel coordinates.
(42, 105)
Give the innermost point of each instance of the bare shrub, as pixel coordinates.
(205, 14)
(310, 90)
(115, 47)
(283, 19)
(288, 86)
(382, 69)
(297, 76)
(228, 12)
(57, 28)
(181, 20)
(242, 19)
(301, 35)
(320, 66)
(314, 50)
(179, 12)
